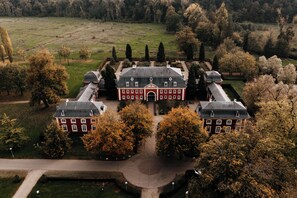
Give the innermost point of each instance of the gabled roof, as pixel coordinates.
(222, 110)
(217, 92)
(87, 92)
(213, 76)
(154, 75)
(79, 109)
(92, 76)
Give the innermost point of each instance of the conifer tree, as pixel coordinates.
(114, 54)
(215, 63)
(147, 53)
(191, 86)
(202, 53)
(128, 52)
(190, 52)
(110, 82)
(269, 48)
(161, 53)
(245, 41)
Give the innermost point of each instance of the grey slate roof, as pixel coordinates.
(92, 76)
(87, 92)
(217, 92)
(222, 110)
(80, 109)
(159, 75)
(213, 76)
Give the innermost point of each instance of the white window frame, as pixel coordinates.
(211, 114)
(219, 122)
(170, 91)
(179, 91)
(174, 91)
(124, 97)
(174, 97)
(93, 120)
(238, 122)
(174, 84)
(83, 120)
(165, 84)
(84, 128)
(229, 122)
(127, 84)
(165, 97)
(93, 127)
(74, 128)
(170, 97)
(73, 120)
(64, 127)
(228, 129)
(141, 97)
(237, 114)
(128, 97)
(141, 91)
(136, 91)
(178, 97)
(208, 121)
(62, 113)
(161, 97)
(123, 91)
(161, 91)
(63, 120)
(136, 84)
(208, 129)
(132, 97)
(165, 91)
(218, 129)
(128, 91)
(132, 91)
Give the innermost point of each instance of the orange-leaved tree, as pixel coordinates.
(180, 134)
(111, 136)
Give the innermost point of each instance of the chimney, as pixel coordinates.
(134, 66)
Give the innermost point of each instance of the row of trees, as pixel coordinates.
(143, 10)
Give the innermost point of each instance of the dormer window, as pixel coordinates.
(136, 84)
(132, 79)
(91, 113)
(165, 84)
(127, 84)
(237, 114)
(211, 114)
(62, 113)
(151, 79)
(170, 79)
(174, 84)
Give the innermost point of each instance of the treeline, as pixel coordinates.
(147, 10)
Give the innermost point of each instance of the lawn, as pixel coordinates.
(8, 187)
(238, 85)
(78, 188)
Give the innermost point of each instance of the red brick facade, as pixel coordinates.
(213, 126)
(77, 125)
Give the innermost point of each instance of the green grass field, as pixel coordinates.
(77, 188)
(8, 187)
(238, 86)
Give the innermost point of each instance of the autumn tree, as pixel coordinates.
(46, 80)
(21, 53)
(64, 52)
(139, 119)
(180, 134)
(228, 46)
(114, 54)
(186, 37)
(111, 136)
(161, 53)
(287, 74)
(172, 19)
(2, 53)
(241, 62)
(128, 52)
(146, 53)
(222, 21)
(201, 52)
(85, 53)
(241, 164)
(270, 66)
(110, 82)
(6, 43)
(195, 14)
(11, 136)
(56, 141)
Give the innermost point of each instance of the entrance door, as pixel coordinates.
(151, 97)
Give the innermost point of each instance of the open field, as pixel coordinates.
(34, 33)
(78, 188)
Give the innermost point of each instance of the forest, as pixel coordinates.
(262, 11)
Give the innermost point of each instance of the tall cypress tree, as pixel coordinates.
(114, 54)
(202, 53)
(215, 63)
(161, 53)
(110, 82)
(128, 52)
(190, 52)
(245, 41)
(147, 54)
(191, 86)
(269, 48)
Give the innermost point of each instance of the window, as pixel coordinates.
(238, 122)
(64, 127)
(91, 113)
(218, 129)
(141, 97)
(209, 121)
(74, 128)
(228, 129)
(208, 128)
(165, 91)
(127, 84)
(136, 84)
(73, 120)
(132, 97)
(161, 91)
(132, 91)
(123, 91)
(174, 84)
(165, 97)
(141, 91)
(237, 114)
(174, 97)
(170, 97)
(170, 91)
(136, 91)
(93, 120)
(128, 97)
(174, 91)
(165, 84)
(62, 113)
(211, 114)
(219, 122)
(170, 79)
(123, 97)
(83, 121)
(63, 120)
(128, 91)
(229, 122)
(84, 128)
(93, 127)
(161, 97)
(178, 97)
(179, 91)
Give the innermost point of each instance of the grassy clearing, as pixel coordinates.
(8, 187)
(78, 188)
(238, 85)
